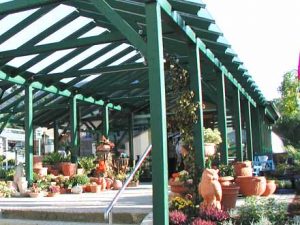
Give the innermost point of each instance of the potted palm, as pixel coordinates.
(212, 137)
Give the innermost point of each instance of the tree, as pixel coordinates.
(288, 126)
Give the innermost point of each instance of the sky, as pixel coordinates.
(264, 33)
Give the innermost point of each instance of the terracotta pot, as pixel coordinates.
(87, 188)
(117, 185)
(251, 185)
(243, 168)
(109, 183)
(36, 195)
(63, 190)
(178, 187)
(270, 188)
(52, 194)
(226, 181)
(69, 169)
(37, 162)
(95, 188)
(133, 184)
(55, 172)
(41, 171)
(229, 196)
(210, 149)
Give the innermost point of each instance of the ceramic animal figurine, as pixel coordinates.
(210, 188)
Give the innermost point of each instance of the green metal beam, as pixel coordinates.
(133, 37)
(158, 113)
(177, 20)
(52, 89)
(248, 130)
(236, 104)
(56, 135)
(28, 133)
(98, 70)
(17, 6)
(74, 129)
(105, 121)
(52, 47)
(196, 87)
(222, 123)
(130, 137)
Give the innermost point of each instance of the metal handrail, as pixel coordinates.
(107, 213)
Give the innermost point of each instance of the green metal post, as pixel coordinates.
(28, 133)
(256, 131)
(222, 123)
(237, 124)
(56, 135)
(105, 121)
(248, 130)
(158, 114)
(130, 135)
(73, 123)
(78, 128)
(195, 84)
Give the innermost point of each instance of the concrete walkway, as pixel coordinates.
(134, 204)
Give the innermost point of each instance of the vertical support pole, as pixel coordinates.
(237, 123)
(248, 130)
(105, 121)
(28, 133)
(78, 128)
(74, 135)
(158, 113)
(257, 132)
(56, 135)
(195, 84)
(130, 135)
(222, 123)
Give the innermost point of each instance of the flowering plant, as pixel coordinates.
(54, 189)
(35, 188)
(105, 144)
(212, 136)
(181, 177)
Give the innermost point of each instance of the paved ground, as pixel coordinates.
(87, 205)
(133, 204)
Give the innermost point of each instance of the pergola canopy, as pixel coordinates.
(96, 50)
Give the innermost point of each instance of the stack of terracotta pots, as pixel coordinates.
(249, 185)
(38, 166)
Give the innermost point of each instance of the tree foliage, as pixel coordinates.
(288, 126)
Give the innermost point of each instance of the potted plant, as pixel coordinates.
(226, 174)
(53, 190)
(105, 145)
(35, 191)
(135, 180)
(68, 168)
(5, 191)
(180, 181)
(87, 163)
(212, 137)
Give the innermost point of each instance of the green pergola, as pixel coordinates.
(77, 61)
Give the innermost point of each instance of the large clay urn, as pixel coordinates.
(68, 169)
(229, 196)
(243, 168)
(37, 162)
(226, 181)
(251, 185)
(270, 188)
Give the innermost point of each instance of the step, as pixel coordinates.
(43, 222)
(132, 217)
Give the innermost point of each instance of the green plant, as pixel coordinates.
(87, 163)
(183, 204)
(79, 180)
(4, 190)
(256, 208)
(226, 170)
(52, 158)
(7, 174)
(212, 136)
(121, 176)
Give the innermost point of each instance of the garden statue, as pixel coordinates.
(210, 188)
(20, 179)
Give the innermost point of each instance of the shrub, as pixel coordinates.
(213, 214)
(177, 217)
(199, 221)
(185, 205)
(256, 208)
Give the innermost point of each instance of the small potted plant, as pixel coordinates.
(87, 163)
(105, 145)
(53, 190)
(180, 181)
(35, 191)
(212, 137)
